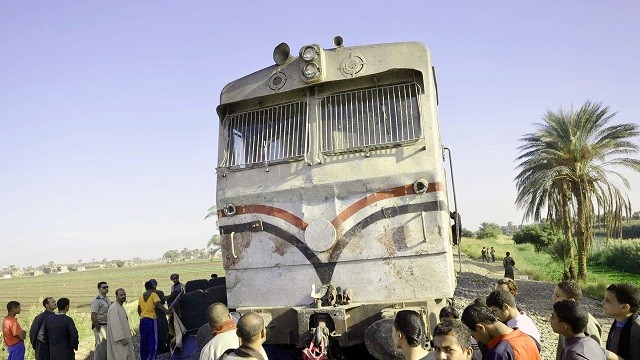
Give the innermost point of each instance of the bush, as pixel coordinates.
(540, 236)
(621, 257)
(467, 233)
(488, 231)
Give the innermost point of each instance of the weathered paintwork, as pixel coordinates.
(352, 220)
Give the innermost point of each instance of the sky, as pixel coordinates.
(108, 129)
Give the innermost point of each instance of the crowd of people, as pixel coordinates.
(496, 328)
(491, 328)
(54, 336)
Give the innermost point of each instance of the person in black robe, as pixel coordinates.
(40, 348)
(161, 320)
(61, 334)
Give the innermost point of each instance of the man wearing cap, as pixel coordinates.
(99, 314)
(176, 288)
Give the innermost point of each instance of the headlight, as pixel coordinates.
(309, 53)
(311, 70)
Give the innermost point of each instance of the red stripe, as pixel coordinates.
(271, 211)
(343, 216)
(381, 195)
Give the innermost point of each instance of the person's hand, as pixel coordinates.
(124, 342)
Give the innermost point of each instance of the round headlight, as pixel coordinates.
(311, 70)
(309, 53)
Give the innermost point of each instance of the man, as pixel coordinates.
(252, 334)
(569, 320)
(503, 306)
(119, 343)
(493, 254)
(484, 254)
(41, 349)
(502, 341)
(508, 263)
(451, 341)
(148, 302)
(570, 290)
(99, 308)
(12, 333)
(61, 334)
(161, 320)
(621, 302)
(223, 329)
(176, 288)
(449, 313)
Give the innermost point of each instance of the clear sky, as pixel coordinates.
(107, 109)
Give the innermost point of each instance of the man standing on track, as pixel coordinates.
(508, 263)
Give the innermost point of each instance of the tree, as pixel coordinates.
(566, 168)
(215, 240)
(488, 231)
(171, 255)
(467, 233)
(540, 236)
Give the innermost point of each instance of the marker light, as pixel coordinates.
(309, 53)
(311, 71)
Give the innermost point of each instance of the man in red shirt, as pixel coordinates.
(12, 333)
(503, 342)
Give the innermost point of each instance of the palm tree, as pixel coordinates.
(568, 168)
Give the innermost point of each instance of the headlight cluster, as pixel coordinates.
(312, 56)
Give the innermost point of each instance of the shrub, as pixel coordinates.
(488, 231)
(540, 236)
(621, 257)
(467, 233)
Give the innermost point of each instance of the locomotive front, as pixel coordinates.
(331, 192)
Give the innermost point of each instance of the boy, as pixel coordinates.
(569, 320)
(503, 306)
(621, 302)
(12, 333)
(452, 340)
(503, 342)
(570, 290)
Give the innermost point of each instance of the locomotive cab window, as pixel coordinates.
(265, 136)
(370, 118)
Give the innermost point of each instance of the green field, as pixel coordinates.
(80, 288)
(540, 266)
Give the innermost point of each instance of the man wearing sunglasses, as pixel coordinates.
(99, 311)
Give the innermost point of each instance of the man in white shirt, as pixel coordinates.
(503, 306)
(224, 332)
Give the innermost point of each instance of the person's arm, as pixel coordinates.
(21, 334)
(610, 355)
(95, 306)
(33, 331)
(73, 332)
(158, 303)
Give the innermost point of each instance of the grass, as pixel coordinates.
(540, 266)
(80, 288)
